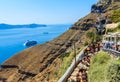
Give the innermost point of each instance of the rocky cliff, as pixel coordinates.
(35, 63)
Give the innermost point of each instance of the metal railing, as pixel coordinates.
(114, 52)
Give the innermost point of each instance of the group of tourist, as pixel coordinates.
(112, 46)
(84, 63)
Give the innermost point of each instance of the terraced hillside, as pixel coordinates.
(36, 63)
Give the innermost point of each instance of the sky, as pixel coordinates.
(43, 11)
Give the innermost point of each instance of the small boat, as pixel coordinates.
(30, 43)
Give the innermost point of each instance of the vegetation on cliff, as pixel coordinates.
(91, 34)
(113, 71)
(67, 59)
(65, 63)
(115, 16)
(44, 60)
(104, 69)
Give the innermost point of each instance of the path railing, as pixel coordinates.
(71, 68)
(111, 51)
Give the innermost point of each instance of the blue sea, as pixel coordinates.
(12, 40)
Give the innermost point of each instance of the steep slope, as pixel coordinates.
(38, 59)
(35, 63)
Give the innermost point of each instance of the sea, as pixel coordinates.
(12, 40)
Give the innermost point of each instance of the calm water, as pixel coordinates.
(11, 40)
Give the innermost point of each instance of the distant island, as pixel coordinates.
(8, 26)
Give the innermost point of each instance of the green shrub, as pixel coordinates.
(113, 72)
(98, 67)
(97, 38)
(111, 30)
(104, 69)
(118, 60)
(118, 26)
(93, 36)
(66, 61)
(90, 34)
(64, 55)
(116, 16)
(86, 43)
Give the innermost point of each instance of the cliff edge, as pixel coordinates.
(33, 64)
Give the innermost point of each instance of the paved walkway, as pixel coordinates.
(80, 72)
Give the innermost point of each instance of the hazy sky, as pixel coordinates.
(43, 11)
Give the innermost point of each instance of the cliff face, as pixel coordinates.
(35, 63)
